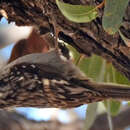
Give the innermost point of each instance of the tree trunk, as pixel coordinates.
(87, 38)
(28, 85)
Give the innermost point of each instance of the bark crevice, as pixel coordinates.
(87, 38)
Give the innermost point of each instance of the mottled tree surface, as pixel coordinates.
(25, 84)
(87, 38)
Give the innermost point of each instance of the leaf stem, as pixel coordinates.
(79, 59)
(109, 116)
(101, 5)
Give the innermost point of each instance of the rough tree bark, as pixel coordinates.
(88, 38)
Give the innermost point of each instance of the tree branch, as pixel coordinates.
(51, 80)
(87, 38)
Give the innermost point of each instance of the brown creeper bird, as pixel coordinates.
(50, 80)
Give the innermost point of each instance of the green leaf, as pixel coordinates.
(115, 76)
(109, 115)
(93, 67)
(114, 106)
(91, 113)
(97, 68)
(112, 75)
(113, 14)
(77, 13)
